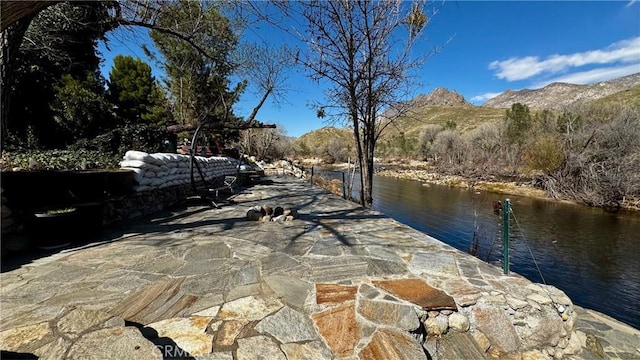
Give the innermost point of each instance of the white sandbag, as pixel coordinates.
(137, 155)
(139, 188)
(157, 182)
(138, 164)
(139, 176)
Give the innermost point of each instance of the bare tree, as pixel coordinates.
(426, 139)
(449, 145)
(265, 144)
(486, 142)
(359, 47)
(265, 68)
(603, 166)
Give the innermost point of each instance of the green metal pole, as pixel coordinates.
(505, 235)
(344, 189)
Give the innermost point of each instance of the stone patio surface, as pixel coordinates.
(338, 282)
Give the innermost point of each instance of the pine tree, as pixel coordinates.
(198, 84)
(135, 92)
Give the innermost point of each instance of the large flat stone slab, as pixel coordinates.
(392, 345)
(114, 343)
(80, 320)
(249, 308)
(187, 333)
(159, 301)
(339, 328)
(419, 293)
(292, 290)
(27, 338)
(288, 326)
(390, 314)
(307, 351)
(457, 345)
(259, 347)
(334, 293)
(329, 269)
(435, 263)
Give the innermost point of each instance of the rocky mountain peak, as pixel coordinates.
(441, 97)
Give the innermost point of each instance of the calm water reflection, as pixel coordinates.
(592, 255)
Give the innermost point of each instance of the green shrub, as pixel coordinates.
(59, 160)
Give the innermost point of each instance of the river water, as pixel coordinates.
(591, 254)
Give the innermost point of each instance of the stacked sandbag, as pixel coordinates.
(161, 170)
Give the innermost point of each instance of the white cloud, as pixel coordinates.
(484, 97)
(625, 51)
(592, 76)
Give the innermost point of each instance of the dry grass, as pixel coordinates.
(629, 97)
(466, 119)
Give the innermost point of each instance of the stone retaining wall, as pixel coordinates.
(161, 181)
(144, 203)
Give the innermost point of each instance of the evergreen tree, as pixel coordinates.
(80, 108)
(60, 41)
(517, 121)
(135, 92)
(198, 84)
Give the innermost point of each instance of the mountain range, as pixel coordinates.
(560, 95)
(444, 106)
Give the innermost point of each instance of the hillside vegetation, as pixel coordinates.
(588, 151)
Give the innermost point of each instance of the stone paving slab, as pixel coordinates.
(338, 282)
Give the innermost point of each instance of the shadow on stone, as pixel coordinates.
(169, 349)
(16, 355)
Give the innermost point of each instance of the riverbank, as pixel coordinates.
(421, 171)
(338, 282)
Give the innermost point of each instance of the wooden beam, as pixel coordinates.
(12, 11)
(217, 126)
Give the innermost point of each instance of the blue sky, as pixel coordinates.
(486, 49)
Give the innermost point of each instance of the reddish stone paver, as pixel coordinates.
(419, 293)
(391, 345)
(339, 328)
(334, 293)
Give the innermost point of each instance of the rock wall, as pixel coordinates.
(284, 167)
(143, 203)
(459, 307)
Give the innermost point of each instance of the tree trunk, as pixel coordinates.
(11, 40)
(366, 170)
